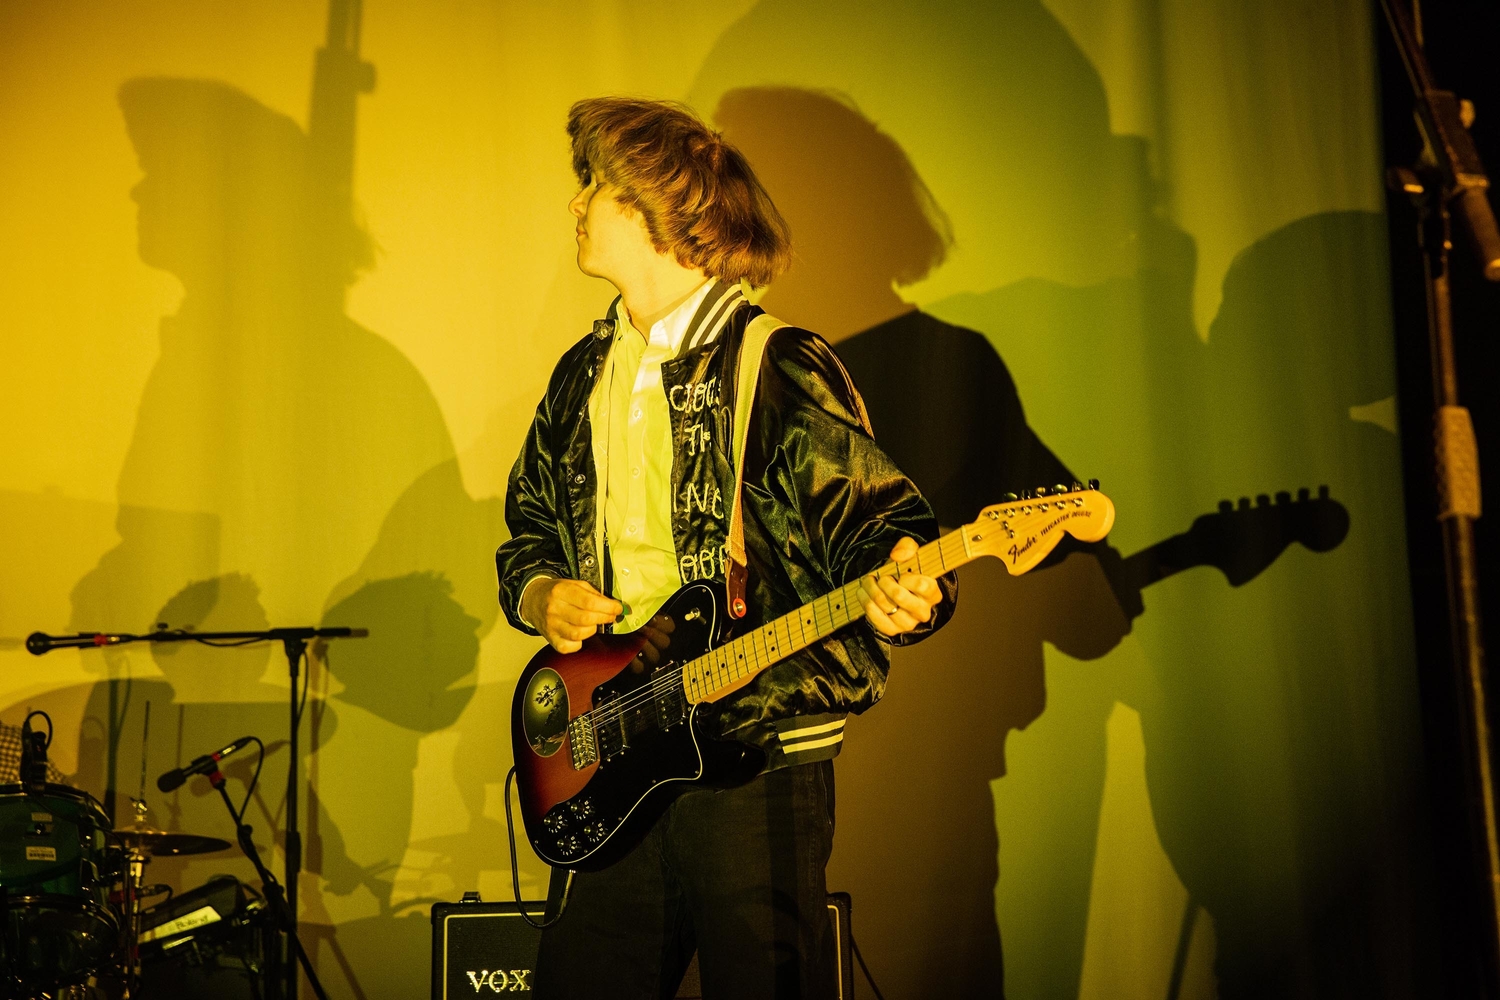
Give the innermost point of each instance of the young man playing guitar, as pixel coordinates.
(624, 491)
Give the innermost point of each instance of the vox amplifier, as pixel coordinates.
(483, 948)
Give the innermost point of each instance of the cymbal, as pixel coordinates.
(161, 844)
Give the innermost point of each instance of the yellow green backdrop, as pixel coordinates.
(238, 392)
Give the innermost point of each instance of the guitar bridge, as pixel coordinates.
(581, 747)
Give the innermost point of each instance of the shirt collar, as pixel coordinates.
(695, 323)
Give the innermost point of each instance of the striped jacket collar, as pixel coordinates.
(708, 322)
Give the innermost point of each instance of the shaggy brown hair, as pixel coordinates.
(698, 196)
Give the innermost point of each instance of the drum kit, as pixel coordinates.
(74, 919)
(74, 924)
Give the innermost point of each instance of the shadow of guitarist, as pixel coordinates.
(951, 417)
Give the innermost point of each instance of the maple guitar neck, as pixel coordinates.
(1020, 532)
(734, 664)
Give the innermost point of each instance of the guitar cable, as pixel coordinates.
(854, 947)
(515, 872)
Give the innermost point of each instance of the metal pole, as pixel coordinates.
(294, 650)
(1456, 464)
(1449, 178)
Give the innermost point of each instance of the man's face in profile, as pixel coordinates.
(610, 236)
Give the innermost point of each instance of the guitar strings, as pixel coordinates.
(669, 682)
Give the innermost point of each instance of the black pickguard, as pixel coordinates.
(651, 748)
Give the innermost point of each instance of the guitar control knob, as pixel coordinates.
(581, 808)
(554, 821)
(595, 832)
(568, 844)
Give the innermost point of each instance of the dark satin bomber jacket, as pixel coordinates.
(822, 505)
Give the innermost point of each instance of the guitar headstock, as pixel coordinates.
(1022, 530)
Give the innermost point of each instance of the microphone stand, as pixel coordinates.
(1450, 178)
(280, 906)
(294, 641)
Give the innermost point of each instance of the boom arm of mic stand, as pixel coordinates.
(272, 888)
(38, 643)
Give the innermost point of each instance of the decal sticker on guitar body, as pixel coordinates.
(545, 715)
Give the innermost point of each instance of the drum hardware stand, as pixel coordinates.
(294, 641)
(1451, 175)
(136, 860)
(276, 899)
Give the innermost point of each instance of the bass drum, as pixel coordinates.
(56, 865)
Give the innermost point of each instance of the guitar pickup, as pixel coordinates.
(610, 731)
(581, 745)
(671, 707)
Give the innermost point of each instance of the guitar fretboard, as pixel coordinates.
(733, 664)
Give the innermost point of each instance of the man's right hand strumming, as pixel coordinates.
(566, 612)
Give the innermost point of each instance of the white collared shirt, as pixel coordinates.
(632, 445)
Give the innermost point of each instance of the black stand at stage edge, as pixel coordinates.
(294, 641)
(1450, 175)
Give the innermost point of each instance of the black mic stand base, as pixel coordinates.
(276, 900)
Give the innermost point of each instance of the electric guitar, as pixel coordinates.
(601, 749)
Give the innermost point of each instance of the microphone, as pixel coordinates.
(38, 643)
(34, 755)
(206, 764)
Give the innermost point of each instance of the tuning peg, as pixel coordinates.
(1322, 492)
(1093, 484)
(1226, 506)
(1077, 487)
(1009, 498)
(1262, 500)
(1304, 494)
(1059, 489)
(1040, 491)
(1244, 503)
(1283, 497)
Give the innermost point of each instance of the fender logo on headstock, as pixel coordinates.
(1022, 530)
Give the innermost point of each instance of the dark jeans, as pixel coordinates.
(736, 874)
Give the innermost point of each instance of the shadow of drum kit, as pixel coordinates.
(74, 924)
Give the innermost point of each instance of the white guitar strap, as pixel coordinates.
(752, 351)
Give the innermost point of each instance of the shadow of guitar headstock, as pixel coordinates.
(1242, 540)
